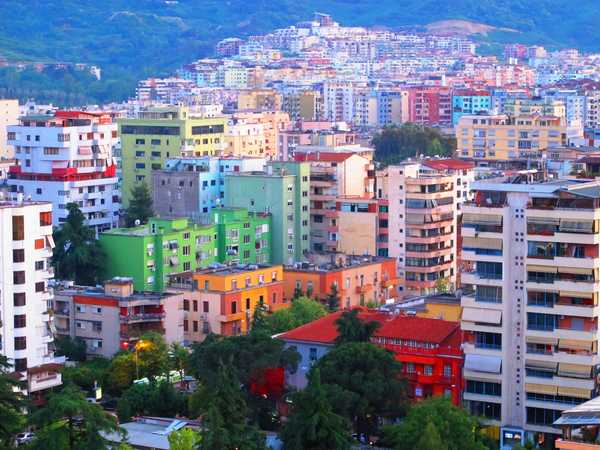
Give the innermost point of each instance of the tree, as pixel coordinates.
(460, 430)
(312, 423)
(77, 255)
(152, 355)
(352, 329)
(363, 383)
(430, 439)
(12, 405)
(178, 358)
(87, 373)
(140, 205)
(442, 285)
(69, 421)
(121, 372)
(333, 298)
(154, 399)
(184, 439)
(302, 310)
(73, 348)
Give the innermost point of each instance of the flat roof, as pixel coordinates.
(587, 413)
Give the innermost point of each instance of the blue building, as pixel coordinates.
(470, 102)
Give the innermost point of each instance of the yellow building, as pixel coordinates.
(503, 138)
(259, 100)
(534, 106)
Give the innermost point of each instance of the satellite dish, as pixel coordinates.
(137, 222)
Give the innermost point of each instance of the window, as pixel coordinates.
(484, 388)
(40, 286)
(140, 153)
(20, 364)
(39, 265)
(20, 321)
(45, 219)
(195, 305)
(186, 250)
(138, 141)
(427, 370)
(195, 326)
(140, 165)
(185, 325)
(19, 277)
(247, 303)
(488, 340)
(19, 299)
(19, 256)
(155, 141)
(312, 354)
(186, 305)
(205, 307)
(18, 226)
(447, 371)
(485, 409)
(20, 343)
(234, 307)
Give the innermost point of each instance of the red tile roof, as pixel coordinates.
(448, 164)
(419, 329)
(322, 156)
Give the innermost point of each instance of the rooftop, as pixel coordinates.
(448, 164)
(221, 270)
(150, 432)
(325, 262)
(587, 413)
(17, 204)
(322, 156)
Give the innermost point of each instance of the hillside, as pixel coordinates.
(130, 40)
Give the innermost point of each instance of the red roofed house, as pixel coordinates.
(429, 350)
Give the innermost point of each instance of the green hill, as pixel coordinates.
(134, 39)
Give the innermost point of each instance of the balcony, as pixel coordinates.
(143, 317)
(43, 383)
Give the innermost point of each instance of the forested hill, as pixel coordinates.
(133, 39)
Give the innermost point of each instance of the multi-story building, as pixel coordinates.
(67, 158)
(161, 133)
(192, 187)
(245, 137)
(536, 106)
(114, 317)
(421, 207)
(592, 110)
(430, 105)
(222, 300)
(333, 177)
(429, 350)
(259, 100)
(283, 191)
(166, 246)
(9, 115)
(305, 105)
(503, 138)
(358, 279)
(469, 102)
(530, 268)
(26, 330)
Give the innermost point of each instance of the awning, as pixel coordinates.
(483, 219)
(576, 370)
(545, 269)
(542, 340)
(575, 344)
(540, 388)
(481, 363)
(493, 244)
(580, 225)
(576, 294)
(574, 392)
(576, 270)
(482, 315)
(547, 366)
(50, 241)
(543, 220)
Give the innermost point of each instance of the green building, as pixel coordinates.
(283, 191)
(150, 253)
(161, 133)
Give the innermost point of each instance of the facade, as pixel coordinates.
(430, 105)
(67, 158)
(113, 318)
(469, 102)
(259, 100)
(358, 280)
(529, 276)
(9, 115)
(504, 138)
(161, 133)
(192, 187)
(429, 350)
(222, 300)
(26, 331)
(282, 191)
(150, 253)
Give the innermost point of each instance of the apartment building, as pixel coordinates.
(9, 115)
(259, 100)
(358, 279)
(505, 138)
(536, 106)
(469, 102)
(303, 105)
(150, 253)
(192, 187)
(157, 134)
(282, 190)
(222, 300)
(430, 105)
(26, 330)
(334, 176)
(530, 268)
(313, 136)
(422, 209)
(114, 317)
(592, 110)
(66, 158)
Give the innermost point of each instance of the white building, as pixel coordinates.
(26, 330)
(9, 115)
(67, 157)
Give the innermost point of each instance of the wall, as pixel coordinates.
(357, 233)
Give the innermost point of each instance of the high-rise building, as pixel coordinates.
(66, 157)
(469, 102)
(26, 331)
(530, 282)
(9, 115)
(161, 133)
(283, 191)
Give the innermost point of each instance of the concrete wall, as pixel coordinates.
(357, 233)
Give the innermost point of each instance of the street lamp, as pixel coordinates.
(140, 345)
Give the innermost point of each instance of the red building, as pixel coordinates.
(430, 105)
(429, 350)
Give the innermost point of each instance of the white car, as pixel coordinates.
(24, 438)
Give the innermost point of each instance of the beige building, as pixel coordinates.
(534, 106)
(504, 138)
(305, 105)
(259, 100)
(9, 115)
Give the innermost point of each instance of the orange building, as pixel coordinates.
(359, 279)
(222, 300)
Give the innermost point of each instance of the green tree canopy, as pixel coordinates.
(77, 255)
(178, 358)
(72, 348)
(184, 439)
(394, 144)
(12, 404)
(121, 373)
(68, 421)
(302, 310)
(140, 205)
(153, 399)
(153, 355)
(333, 298)
(353, 329)
(460, 430)
(363, 382)
(312, 424)
(430, 439)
